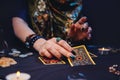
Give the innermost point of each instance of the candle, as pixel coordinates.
(103, 50)
(18, 76)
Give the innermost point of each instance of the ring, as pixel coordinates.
(58, 39)
(83, 29)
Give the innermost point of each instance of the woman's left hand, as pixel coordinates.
(80, 30)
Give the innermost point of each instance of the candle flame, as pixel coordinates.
(18, 73)
(103, 48)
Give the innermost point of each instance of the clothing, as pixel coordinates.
(52, 18)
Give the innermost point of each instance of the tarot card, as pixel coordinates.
(93, 55)
(82, 57)
(51, 61)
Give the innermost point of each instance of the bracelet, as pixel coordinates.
(30, 40)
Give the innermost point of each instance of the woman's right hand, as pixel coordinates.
(51, 47)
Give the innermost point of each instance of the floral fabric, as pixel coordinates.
(52, 18)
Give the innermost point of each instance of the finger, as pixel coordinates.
(55, 52)
(73, 27)
(63, 51)
(82, 27)
(89, 29)
(89, 36)
(44, 52)
(82, 20)
(83, 35)
(65, 45)
(85, 25)
(51, 48)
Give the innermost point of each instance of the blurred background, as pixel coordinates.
(103, 17)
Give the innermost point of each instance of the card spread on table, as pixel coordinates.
(82, 57)
(50, 61)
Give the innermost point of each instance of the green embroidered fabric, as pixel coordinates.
(52, 18)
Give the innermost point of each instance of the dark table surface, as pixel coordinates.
(33, 66)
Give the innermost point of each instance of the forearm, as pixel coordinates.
(21, 28)
(22, 31)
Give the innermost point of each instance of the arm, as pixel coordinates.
(21, 28)
(46, 48)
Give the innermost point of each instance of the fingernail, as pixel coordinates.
(73, 52)
(72, 56)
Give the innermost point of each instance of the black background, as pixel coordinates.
(104, 18)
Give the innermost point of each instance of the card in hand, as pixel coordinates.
(50, 61)
(82, 57)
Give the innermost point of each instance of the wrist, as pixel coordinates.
(31, 39)
(39, 43)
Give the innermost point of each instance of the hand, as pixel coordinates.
(80, 30)
(51, 47)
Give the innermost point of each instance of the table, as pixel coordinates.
(38, 71)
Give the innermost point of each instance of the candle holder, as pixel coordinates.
(18, 76)
(104, 51)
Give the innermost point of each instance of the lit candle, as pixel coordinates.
(18, 76)
(103, 50)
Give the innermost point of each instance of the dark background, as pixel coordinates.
(103, 17)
